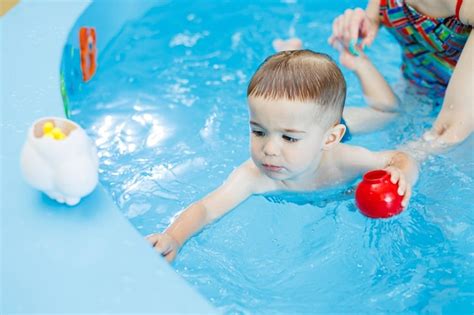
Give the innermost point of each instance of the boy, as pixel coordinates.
(295, 99)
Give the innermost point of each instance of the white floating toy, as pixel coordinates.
(59, 159)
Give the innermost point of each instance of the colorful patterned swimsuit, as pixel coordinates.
(431, 46)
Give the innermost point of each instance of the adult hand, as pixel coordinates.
(455, 122)
(451, 127)
(352, 25)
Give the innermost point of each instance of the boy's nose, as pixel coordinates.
(270, 148)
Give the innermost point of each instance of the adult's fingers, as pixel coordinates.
(337, 28)
(355, 24)
(346, 25)
(368, 32)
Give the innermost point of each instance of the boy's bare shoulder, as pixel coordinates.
(248, 173)
(357, 158)
(348, 149)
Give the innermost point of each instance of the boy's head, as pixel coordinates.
(295, 100)
(305, 76)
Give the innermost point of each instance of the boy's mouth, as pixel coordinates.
(272, 168)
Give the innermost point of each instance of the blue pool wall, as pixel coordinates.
(56, 258)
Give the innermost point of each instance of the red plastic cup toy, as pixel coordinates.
(377, 197)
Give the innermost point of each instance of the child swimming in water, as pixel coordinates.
(295, 101)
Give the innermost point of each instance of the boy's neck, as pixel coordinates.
(318, 177)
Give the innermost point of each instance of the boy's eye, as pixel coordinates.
(289, 139)
(258, 133)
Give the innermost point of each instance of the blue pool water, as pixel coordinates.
(168, 114)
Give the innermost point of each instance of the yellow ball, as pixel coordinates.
(57, 134)
(48, 127)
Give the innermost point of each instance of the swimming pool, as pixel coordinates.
(167, 112)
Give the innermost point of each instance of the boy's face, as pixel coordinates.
(286, 142)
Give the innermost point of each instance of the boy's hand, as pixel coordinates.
(349, 57)
(404, 188)
(165, 244)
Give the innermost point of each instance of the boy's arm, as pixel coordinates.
(376, 89)
(366, 119)
(401, 166)
(379, 95)
(237, 188)
(242, 183)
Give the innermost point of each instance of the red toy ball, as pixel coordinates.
(377, 197)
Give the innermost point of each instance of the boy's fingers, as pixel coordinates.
(402, 186)
(152, 238)
(166, 251)
(158, 243)
(395, 176)
(162, 248)
(170, 256)
(406, 198)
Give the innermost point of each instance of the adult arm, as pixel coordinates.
(455, 121)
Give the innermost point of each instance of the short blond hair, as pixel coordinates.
(302, 75)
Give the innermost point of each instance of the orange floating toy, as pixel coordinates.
(87, 41)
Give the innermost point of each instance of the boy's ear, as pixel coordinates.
(334, 136)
